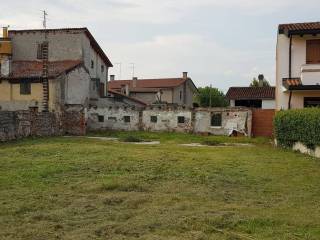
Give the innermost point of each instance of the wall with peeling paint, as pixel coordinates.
(171, 119)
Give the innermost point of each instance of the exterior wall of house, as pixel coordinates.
(148, 98)
(185, 90)
(77, 87)
(89, 54)
(298, 64)
(268, 104)
(72, 45)
(62, 45)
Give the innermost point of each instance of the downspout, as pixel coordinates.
(290, 70)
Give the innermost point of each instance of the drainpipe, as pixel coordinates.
(290, 70)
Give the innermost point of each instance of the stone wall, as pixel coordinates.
(171, 119)
(20, 124)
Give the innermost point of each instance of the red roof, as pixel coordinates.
(247, 93)
(147, 84)
(33, 69)
(93, 41)
(299, 26)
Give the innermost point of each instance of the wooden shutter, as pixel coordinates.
(313, 51)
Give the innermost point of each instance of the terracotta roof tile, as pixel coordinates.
(125, 96)
(33, 69)
(299, 26)
(238, 93)
(147, 83)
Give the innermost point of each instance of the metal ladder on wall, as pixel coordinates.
(45, 73)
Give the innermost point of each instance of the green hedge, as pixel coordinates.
(298, 126)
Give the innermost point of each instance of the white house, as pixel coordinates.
(298, 66)
(252, 97)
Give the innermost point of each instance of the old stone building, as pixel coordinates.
(77, 70)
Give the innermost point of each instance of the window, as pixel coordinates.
(101, 118)
(126, 119)
(313, 51)
(153, 119)
(92, 64)
(180, 95)
(102, 68)
(216, 120)
(311, 102)
(39, 51)
(25, 88)
(181, 119)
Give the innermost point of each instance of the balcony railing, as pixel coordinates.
(310, 74)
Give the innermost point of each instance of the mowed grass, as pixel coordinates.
(78, 188)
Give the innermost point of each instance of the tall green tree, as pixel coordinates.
(211, 97)
(261, 81)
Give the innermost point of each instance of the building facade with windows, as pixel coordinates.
(298, 66)
(77, 65)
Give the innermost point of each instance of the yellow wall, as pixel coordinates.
(297, 100)
(11, 92)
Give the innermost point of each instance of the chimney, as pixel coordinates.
(261, 78)
(185, 75)
(127, 90)
(134, 82)
(112, 77)
(5, 32)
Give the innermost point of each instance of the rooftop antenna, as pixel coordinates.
(132, 65)
(120, 70)
(44, 22)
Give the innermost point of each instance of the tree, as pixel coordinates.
(211, 97)
(260, 82)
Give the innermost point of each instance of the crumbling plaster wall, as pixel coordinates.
(114, 118)
(167, 120)
(236, 119)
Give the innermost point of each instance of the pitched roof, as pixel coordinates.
(128, 97)
(246, 93)
(299, 28)
(148, 84)
(93, 41)
(33, 69)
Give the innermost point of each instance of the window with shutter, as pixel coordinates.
(313, 51)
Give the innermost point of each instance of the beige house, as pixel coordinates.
(178, 91)
(298, 66)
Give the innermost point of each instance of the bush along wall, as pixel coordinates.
(294, 126)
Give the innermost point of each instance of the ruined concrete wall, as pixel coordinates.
(232, 119)
(155, 119)
(114, 118)
(171, 119)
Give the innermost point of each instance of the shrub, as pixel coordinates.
(301, 125)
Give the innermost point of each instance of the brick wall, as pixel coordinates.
(262, 122)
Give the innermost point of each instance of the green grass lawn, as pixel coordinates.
(78, 188)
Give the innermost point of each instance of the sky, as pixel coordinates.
(219, 43)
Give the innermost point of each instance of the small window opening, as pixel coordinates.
(25, 88)
(216, 120)
(127, 119)
(101, 118)
(92, 64)
(154, 119)
(181, 119)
